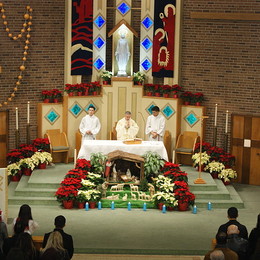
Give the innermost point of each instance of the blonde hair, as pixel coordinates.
(55, 241)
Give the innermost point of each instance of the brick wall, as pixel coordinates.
(219, 58)
(45, 63)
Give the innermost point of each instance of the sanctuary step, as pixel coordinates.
(40, 188)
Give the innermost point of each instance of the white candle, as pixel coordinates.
(16, 118)
(216, 114)
(28, 112)
(226, 128)
(75, 157)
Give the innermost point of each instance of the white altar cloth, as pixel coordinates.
(107, 146)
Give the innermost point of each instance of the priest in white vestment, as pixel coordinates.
(155, 125)
(89, 125)
(126, 128)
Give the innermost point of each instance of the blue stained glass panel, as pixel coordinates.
(146, 64)
(123, 8)
(146, 43)
(76, 109)
(191, 119)
(99, 21)
(168, 111)
(147, 22)
(99, 64)
(149, 108)
(52, 116)
(90, 104)
(99, 42)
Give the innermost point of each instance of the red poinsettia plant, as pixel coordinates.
(66, 193)
(184, 195)
(56, 93)
(187, 96)
(227, 159)
(41, 144)
(27, 150)
(166, 89)
(205, 147)
(215, 152)
(176, 88)
(149, 87)
(198, 97)
(46, 94)
(14, 156)
(83, 164)
(70, 88)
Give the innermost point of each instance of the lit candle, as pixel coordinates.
(16, 118)
(226, 128)
(99, 205)
(129, 205)
(28, 112)
(163, 209)
(144, 207)
(112, 205)
(194, 211)
(86, 206)
(75, 157)
(209, 205)
(216, 114)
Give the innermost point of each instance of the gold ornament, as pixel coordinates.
(5, 103)
(10, 35)
(15, 89)
(20, 77)
(3, 10)
(25, 53)
(18, 83)
(9, 99)
(22, 67)
(3, 16)
(28, 35)
(13, 95)
(26, 16)
(1, 105)
(22, 30)
(26, 47)
(15, 38)
(7, 29)
(25, 24)
(29, 23)
(27, 41)
(5, 23)
(24, 58)
(19, 36)
(28, 29)
(1, 4)
(28, 7)
(30, 17)
(30, 10)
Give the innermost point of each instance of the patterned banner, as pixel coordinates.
(82, 37)
(163, 38)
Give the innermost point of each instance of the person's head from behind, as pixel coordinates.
(25, 212)
(55, 241)
(19, 227)
(91, 110)
(127, 115)
(232, 213)
(217, 255)
(25, 242)
(15, 254)
(221, 238)
(232, 229)
(60, 222)
(155, 111)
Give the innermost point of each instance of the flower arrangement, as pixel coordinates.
(184, 195)
(83, 164)
(214, 167)
(91, 195)
(13, 169)
(87, 184)
(176, 88)
(106, 75)
(41, 144)
(205, 147)
(164, 184)
(27, 150)
(166, 89)
(41, 157)
(95, 178)
(205, 158)
(227, 174)
(80, 196)
(227, 159)
(27, 163)
(187, 96)
(14, 156)
(139, 77)
(161, 197)
(46, 94)
(215, 153)
(149, 88)
(69, 88)
(66, 193)
(56, 93)
(198, 97)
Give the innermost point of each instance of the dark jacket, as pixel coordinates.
(67, 241)
(243, 231)
(53, 254)
(238, 245)
(253, 237)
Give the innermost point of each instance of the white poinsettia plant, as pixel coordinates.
(27, 163)
(95, 178)
(41, 157)
(204, 159)
(87, 184)
(139, 76)
(215, 167)
(164, 183)
(166, 198)
(13, 169)
(90, 195)
(227, 174)
(106, 75)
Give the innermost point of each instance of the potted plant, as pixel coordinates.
(171, 202)
(139, 77)
(184, 197)
(56, 94)
(176, 89)
(13, 170)
(214, 168)
(226, 175)
(164, 184)
(27, 166)
(187, 97)
(157, 90)
(70, 89)
(46, 96)
(66, 195)
(98, 162)
(205, 147)
(41, 159)
(227, 159)
(204, 160)
(92, 196)
(83, 164)
(95, 178)
(14, 156)
(160, 199)
(152, 164)
(166, 90)
(81, 199)
(198, 98)
(149, 89)
(106, 76)
(41, 144)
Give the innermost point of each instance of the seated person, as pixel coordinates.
(126, 128)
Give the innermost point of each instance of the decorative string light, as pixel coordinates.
(26, 29)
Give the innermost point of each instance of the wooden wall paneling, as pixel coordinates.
(4, 123)
(254, 177)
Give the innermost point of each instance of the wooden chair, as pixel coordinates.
(78, 141)
(167, 140)
(59, 145)
(112, 133)
(185, 147)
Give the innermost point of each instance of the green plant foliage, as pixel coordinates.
(98, 161)
(144, 185)
(153, 163)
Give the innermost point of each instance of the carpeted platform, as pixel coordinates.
(121, 231)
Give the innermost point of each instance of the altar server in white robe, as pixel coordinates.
(155, 125)
(126, 128)
(89, 125)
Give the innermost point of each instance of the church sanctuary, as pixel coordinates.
(129, 129)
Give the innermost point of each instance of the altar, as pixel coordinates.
(107, 146)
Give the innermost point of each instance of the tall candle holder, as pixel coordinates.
(28, 136)
(200, 180)
(17, 138)
(215, 132)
